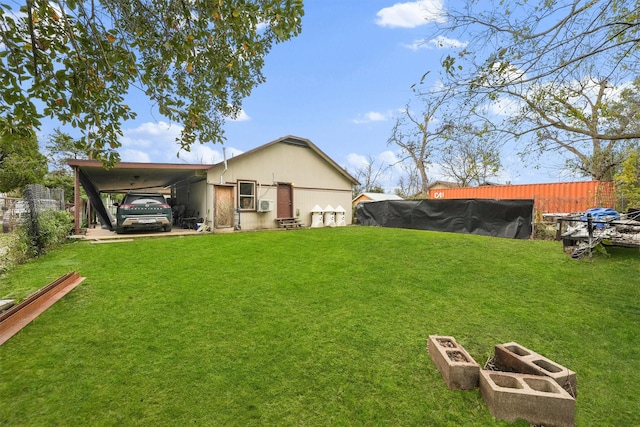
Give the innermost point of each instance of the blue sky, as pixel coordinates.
(341, 83)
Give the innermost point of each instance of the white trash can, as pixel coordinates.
(340, 216)
(316, 217)
(329, 216)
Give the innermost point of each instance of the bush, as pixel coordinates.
(55, 227)
(544, 231)
(37, 234)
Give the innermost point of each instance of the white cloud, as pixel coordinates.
(411, 14)
(200, 153)
(388, 157)
(418, 44)
(241, 117)
(445, 42)
(206, 154)
(616, 90)
(155, 129)
(231, 152)
(356, 161)
(587, 89)
(440, 42)
(387, 160)
(156, 142)
(135, 156)
(372, 116)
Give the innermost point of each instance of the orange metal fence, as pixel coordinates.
(561, 197)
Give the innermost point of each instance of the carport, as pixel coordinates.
(125, 177)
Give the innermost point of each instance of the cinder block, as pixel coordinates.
(536, 399)
(513, 357)
(457, 367)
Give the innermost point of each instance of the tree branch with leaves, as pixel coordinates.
(562, 65)
(469, 156)
(21, 162)
(417, 133)
(75, 61)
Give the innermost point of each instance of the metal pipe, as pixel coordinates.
(224, 155)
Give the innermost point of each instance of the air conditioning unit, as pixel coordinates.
(265, 205)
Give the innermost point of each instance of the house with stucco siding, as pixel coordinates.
(275, 184)
(283, 179)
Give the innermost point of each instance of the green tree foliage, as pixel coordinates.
(62, 179)
(588, 120)
(75, 61)
(469, 156)
(628, 179)
(21, 162)
(556, 68)
(61, 147)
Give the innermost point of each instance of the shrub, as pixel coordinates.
(37, 234)
(55, 227)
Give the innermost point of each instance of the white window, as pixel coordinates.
(247, 195)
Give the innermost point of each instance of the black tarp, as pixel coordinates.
(487, 217)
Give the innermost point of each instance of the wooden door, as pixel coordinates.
(285, 201)
(223, 206)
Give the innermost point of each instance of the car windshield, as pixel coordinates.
(145, 200)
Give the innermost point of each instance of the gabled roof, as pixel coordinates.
(300, 142)
(125, 176)
(377, 197)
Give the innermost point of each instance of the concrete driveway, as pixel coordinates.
(101, 235)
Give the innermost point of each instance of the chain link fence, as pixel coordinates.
(36, 198)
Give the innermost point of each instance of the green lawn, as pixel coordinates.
(312, 327)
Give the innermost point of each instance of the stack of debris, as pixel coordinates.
(517, 383)
(580, 234)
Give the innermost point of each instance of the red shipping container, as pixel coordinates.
(560, 197)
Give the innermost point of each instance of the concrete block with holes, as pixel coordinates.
(513, 357)
(537, 399)
(457, 367)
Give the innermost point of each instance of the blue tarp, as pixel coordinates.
(601, 215)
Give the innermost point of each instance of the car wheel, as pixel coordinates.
(119, 230)
(167, 228)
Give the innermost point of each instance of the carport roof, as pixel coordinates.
(127, 176)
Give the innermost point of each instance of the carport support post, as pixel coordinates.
(76, 202)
